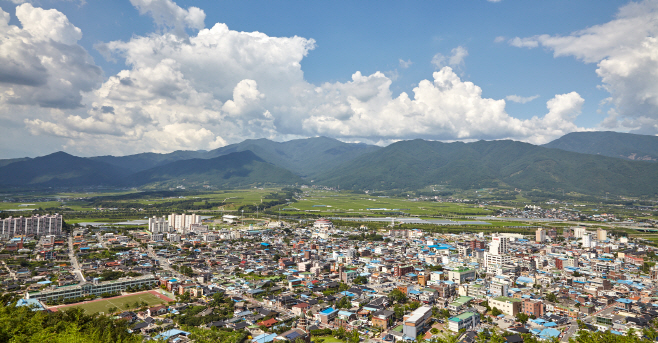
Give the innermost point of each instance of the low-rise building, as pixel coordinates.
(466, 320)
(417, 322)
(509, 306)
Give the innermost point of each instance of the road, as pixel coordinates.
(574, 325)
(570, 332)
(74, 263)
(165, 264)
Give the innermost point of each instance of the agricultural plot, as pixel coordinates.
(336, 203)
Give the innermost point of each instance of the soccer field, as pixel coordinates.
(120, 303)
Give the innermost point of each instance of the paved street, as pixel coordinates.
(165, 264)
(74, 263)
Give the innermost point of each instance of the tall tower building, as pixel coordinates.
(601, 235)
(540, 235)
(578, 232)
(499, 245)
(587, 240)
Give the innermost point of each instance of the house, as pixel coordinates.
(297, 309)
(268, 323)
(292, 336)
(383, 319)
(156, 311)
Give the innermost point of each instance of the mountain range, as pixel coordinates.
(592, 163)
(613, 144)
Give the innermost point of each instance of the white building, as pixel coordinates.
(182, 222)
(323, 224)
(158, 225)
(173, 237)
(499, 245)
(571, 262)
(466, 320)
(230, 219)
(587, 240)
(578, 232)
(491, 259)
(31, 226)
(417, 322)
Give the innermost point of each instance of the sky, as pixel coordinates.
(123, 77)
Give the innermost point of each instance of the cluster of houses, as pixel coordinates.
(287, 281)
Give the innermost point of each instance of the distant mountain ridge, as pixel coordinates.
(418, 163)
(413, 164)
(231, 170)
(607, 143)
(304, 157)
(60, 170)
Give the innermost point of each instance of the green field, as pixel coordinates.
(120, 303)
(336, 203)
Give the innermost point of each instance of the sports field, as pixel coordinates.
(151, 298)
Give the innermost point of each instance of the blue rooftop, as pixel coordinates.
(328, 310)
(171, 333)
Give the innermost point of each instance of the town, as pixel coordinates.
(278, 281)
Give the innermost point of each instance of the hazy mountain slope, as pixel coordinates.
(606, 143)
(417, 164)
(232, 170)
(60, 170)
(147, 160)
(304, 157)
(12, 160)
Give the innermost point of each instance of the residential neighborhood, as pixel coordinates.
(285, 281)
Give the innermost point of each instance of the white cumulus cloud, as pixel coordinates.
(521, 99)
(625, 50)
(455, 59)
(405, 64)
(167, 15)
(201, 90)
(41, 62)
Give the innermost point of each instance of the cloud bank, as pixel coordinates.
(191, 87)
(625, 51)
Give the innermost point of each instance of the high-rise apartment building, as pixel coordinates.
(31, 226)
(182, 222)
(158, 225)
(578, 232)
(587, 240)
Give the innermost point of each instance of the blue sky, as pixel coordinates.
(512, 69)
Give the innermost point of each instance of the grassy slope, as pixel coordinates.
(60, 169)
(417, 164)
(240, 168)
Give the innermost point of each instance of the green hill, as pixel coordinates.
(613, 144)
(237, 169)
(417, 164)
(304, 157)
(60, 170)
(138, 162)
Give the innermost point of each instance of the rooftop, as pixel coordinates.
(462, 316)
